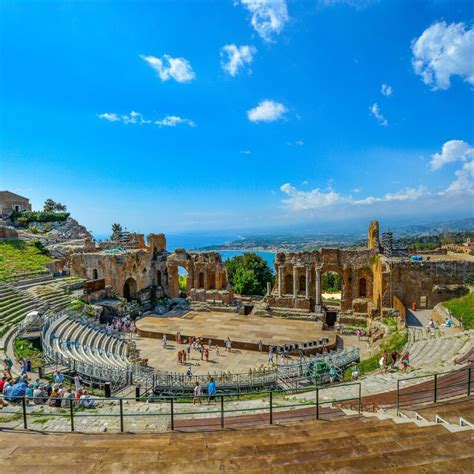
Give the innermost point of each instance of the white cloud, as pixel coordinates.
(267, 111)
(298, 200)
(234, 58)
(443, 51)
(137, 118)
(386, 90)
(375, 110)
(408, 194)
(464, 181)
(173, 120)
(167, 67)
(245, 152)
(452, 151)
(268, 17)
(109, 116)
(358, 4)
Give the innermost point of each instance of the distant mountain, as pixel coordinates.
(459, 225)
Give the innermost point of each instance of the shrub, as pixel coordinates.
(249, 274)
(27, 217)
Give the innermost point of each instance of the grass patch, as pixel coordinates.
(19, 256)
(29, 350)
(9, 418)
(397, 340)
(462, 309)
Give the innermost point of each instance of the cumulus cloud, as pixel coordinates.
(234, 58)
(109, 116)
(375, 111)
(386, 90)
(267, 111)
(452, 151)
(268, 17)
(464, 181)
(299, 200)
(443, 51)
(167, 67)
(137, 118)
(173, 120)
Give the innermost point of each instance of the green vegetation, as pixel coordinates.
(25, 349)
(331, 282)
(19, 256)
(463, 309)
(397, 340)
(116, 231)
(183, 282)
(26, 217)
(52, 206)
(391, 323)
(249, 274)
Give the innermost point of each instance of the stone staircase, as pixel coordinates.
(355, 444)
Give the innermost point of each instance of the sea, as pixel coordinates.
(197, 241)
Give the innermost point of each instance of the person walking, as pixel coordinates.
(197, 393)
(405, 361)
(211, 391)
(260, 346)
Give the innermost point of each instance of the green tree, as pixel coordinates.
(49, 205)
(249, 274)
(331, 282)
(116, 231)
(60, 207)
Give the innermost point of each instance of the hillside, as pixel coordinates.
(463, 309)
(19, 256)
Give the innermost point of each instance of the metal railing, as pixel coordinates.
(436, 387)
(214, 414)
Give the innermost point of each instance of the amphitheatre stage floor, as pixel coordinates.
(245, 332)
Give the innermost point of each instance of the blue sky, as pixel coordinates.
(330, 110)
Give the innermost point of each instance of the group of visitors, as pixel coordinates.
(54, 394)
(123, 324)
(211, 392)
(198, 345)
(388, 361)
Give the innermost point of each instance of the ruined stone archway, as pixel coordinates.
(201, 281)
(362, 288)
(130, 289)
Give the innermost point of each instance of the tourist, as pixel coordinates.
(29, 392)
(206, 354)
(405, 361)
(39, 395)
(355, 373)
(228, 345)
(359, 334)
(270, 355)
(7, 366)
(180, 357)
(211, 390)
(332, 375)
(87, 401)
(68, 398)
(58, 377)
(338, 327)
(183, 352)
(201, 350)
(197, 393)
(189, 372)
(260, 345)
(164, 341)
(77, 381)
(394, 357)
(382, 363)
(217, 350)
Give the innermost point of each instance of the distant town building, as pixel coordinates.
(11, 202)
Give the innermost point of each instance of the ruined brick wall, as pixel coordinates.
(428, 283)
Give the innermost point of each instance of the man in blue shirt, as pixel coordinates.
(211, 390)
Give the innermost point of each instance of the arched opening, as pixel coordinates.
(182, 281)
(362, 288)
(130, 289)
(332, 288)
(288, 284)
(302, 284)
(211, 280)
(201, 280)
(158, 278)
(95, 274)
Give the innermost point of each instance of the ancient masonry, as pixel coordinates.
(371, 282)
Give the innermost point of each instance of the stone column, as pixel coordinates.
(307, 284)
(318, 286)
(295, 292)
(280, 280)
